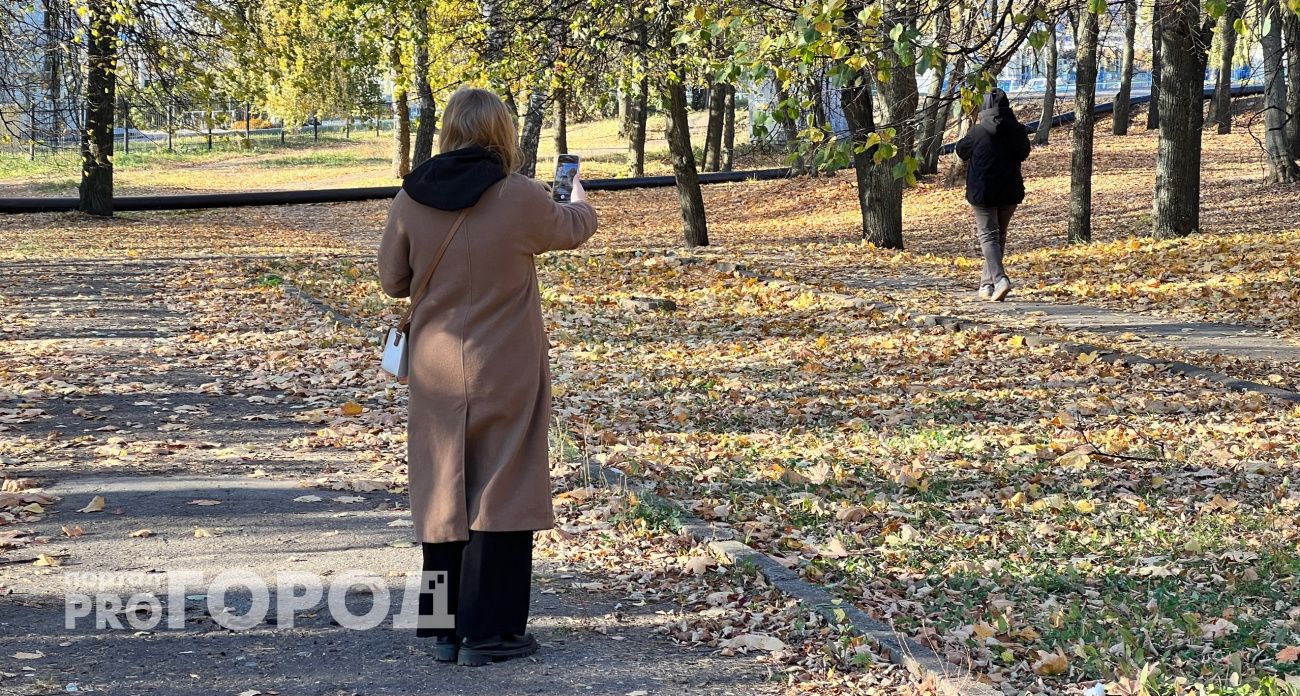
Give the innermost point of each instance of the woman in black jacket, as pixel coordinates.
(995, 147)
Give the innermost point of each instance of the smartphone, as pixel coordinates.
(566, 170)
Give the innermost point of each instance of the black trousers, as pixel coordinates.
(489, 583)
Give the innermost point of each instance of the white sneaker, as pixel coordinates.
(986, 292)
(1001, 289)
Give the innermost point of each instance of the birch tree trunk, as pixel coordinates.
(531, 134)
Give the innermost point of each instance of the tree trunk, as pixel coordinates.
(1222, 108)
(1184, 52)
(53, 71)
(96, 190)
(639, 111)
(428, 123)
(1122, 115)
(1044, 134)
(1292, 29)
(531, 134)
(880, 195)
(789, 130)
(898, 95)
(640, 114)
(1282, 167)
(930, 140)
(729, 130)
(401, 117)
(561, 121)
(1085, 98)
(624, 113)
(1157, 58)
(691, 199)
(401, 134)
(713, 135)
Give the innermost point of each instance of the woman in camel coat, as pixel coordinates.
(480, 393)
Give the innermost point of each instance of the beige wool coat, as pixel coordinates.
(480, 390)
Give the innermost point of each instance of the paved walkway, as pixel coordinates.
(1209, 337)
(97, 343)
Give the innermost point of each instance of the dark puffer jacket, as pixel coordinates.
(995, 147)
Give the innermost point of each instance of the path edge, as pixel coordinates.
(958, 324)
(918, 659)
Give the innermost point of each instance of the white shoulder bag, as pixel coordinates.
(397, 350)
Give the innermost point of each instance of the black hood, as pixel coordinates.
(455, 179)
(996, 114)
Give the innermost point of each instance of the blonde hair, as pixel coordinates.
(478, 117)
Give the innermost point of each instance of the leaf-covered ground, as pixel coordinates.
(1055, 519)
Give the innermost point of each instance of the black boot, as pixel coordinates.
(446, 648)
(475, 653)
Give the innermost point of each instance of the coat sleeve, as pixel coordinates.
(395, 255)
(966, 147)
(559, 225)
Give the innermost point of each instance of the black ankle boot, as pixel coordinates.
(474, 653)
(446, 648)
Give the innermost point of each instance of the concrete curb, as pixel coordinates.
(297, 293)
(956, 324)
(919, 660)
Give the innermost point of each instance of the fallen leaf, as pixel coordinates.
(96, 504)
(1051, 664)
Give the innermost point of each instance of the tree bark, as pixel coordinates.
(930, 140)
(1044, 134)
(899, 95)
(639, 111)
(1282, 166)
(690, 198)
(1184, 51)
(1085, 98)
(401, 116)
(1292, 29)
(1157, 32)
(1222, 108)
(96, 189)
(531, 134)
(428, 123)
(561, 121)
(789, 130)
(1123, 107)
(713, 134)
(624, 113)
(640, 115)
(729, 130)
(880, 195)
(52, 72)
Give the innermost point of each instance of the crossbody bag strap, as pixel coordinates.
(424, 285)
